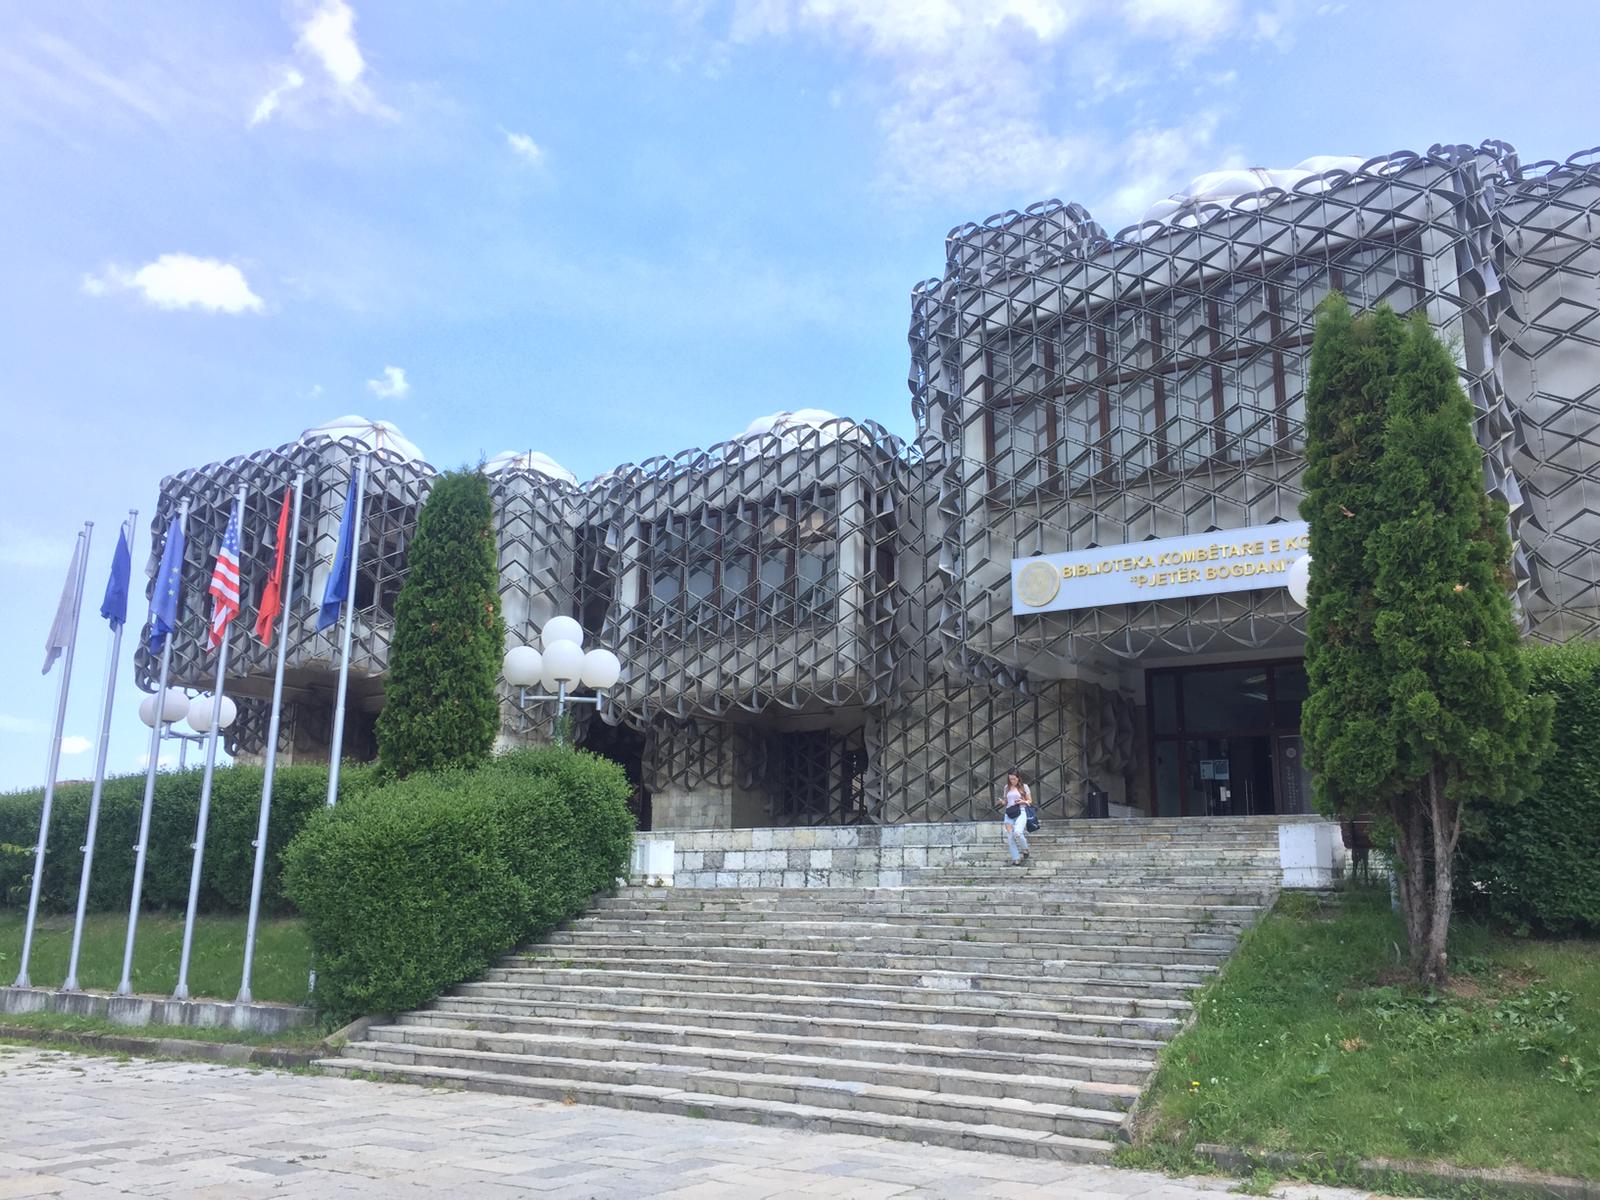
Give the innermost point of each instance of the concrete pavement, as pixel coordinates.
(78, 1125)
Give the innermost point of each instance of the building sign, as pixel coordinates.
(1201, 564)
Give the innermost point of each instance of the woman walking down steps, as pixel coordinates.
(1016, 801)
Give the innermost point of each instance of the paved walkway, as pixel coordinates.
(77, 1125)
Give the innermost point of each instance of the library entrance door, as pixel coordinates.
(1224, 740)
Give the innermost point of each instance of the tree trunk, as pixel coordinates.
(1445, 818)
(1411, 838)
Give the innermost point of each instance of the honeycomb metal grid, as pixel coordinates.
(759, 575)
(1092, 392)
(395, 489)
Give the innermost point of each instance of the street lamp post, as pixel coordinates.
(560, 666)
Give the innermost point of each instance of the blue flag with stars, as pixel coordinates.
(169, 578)
(339, 578)
(114, 607)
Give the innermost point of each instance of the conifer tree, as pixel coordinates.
(440, 708)
(1352, 373)
(1464, 731)
(1419, 707)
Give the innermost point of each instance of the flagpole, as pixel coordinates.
(337, 747)
(81, 558)
(71, 983)
(181, 992)
(286, 601)
(125, 985)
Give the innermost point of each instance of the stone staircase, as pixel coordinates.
(980, 1006)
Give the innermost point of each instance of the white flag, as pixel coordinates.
(66, 622)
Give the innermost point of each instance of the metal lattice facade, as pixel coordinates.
(816, 616)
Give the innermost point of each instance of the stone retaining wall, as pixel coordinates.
(824, 856)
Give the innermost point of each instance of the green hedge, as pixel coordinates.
(424, 882)
(1536, 864)
(297, 792)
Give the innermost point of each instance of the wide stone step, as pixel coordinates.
(1049, 885)
(601, 1059)
(980, 991)
(969, 897)
(844, 942)
(738, 929)
(995, 927)
(1035, 981)
(1047, 1111)
(953, 1134)
(821, 902)
(963, 959)
(946, 1009)
(928, 1028)
(848, 1051)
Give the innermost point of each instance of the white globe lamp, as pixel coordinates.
(523, 667)
(601, 669)
(174, 704)
(560, 629)
(1299, 582)
(206, 711)
(563, 663)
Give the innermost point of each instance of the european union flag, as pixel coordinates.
(169, 578)
(114, 607)
(339, 579)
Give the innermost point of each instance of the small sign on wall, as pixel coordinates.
(1201, 564)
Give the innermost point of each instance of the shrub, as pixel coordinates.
(297, 792)
(440, 708)
(1537, 864)
(422, 882)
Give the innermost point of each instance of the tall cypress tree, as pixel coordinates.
(1463, 728)
(440, 708)
(1352, 373)
(1419, 705)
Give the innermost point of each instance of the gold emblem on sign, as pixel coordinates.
(1037, 584)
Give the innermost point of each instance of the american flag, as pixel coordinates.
(224, 589)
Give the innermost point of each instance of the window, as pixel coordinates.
(777, 559)
(1172, 383)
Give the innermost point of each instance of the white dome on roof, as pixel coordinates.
(786, 429)
(1225, 188)
(374, 435)
(529, 460)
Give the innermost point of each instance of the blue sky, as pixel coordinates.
(600, 230)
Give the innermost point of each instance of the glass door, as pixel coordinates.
(1220, 739)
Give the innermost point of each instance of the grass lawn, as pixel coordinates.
(1310, 1041)
(282, 960)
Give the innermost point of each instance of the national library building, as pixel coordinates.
(1075, 567)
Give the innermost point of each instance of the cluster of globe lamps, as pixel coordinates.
(202, 712)
(560, 665)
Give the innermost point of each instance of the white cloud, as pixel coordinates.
(998, 99)
(330, 35)
(1194, 19)
(270, 103)
(179, 281)
(524, 147)
(73, 744)
(326, 44)
(393, 385)
(165, 763)
(23, 725)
